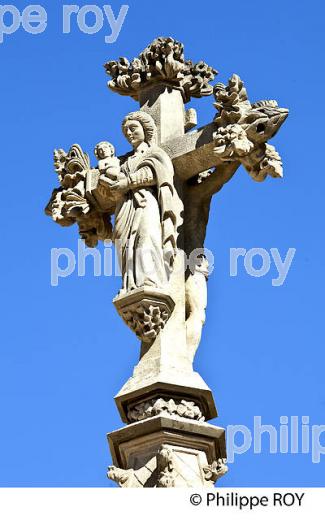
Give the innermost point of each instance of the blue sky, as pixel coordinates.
(64, 351)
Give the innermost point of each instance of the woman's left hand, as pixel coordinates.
(115, 183)
(120, 185)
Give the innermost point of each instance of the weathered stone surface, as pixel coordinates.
(159, 194)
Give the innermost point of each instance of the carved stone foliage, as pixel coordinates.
(146, 320)
(244, 128)
(145, 311)
(215, 470)
(153, 407)
(165, 468)
(162, 61)
(70, 203)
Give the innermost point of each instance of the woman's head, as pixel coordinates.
(139, 127)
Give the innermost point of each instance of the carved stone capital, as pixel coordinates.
(145, 311)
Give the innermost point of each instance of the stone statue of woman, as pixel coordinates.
(148, 209)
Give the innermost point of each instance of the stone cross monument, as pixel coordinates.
(153, 203)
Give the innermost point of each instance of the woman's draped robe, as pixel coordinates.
(146, 220)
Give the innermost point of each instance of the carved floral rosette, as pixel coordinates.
(145, 311)
(243, 129)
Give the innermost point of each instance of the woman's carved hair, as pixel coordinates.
(148, 125)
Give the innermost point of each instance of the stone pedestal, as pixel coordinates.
(167, 451)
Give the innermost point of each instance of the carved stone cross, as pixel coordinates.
(177, 170)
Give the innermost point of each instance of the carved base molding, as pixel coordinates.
(191, 398)
(167, 452)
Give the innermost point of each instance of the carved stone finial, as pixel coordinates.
(161, 62)
(244, 128)
(70, 202)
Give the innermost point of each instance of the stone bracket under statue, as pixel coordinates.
(160, 195)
